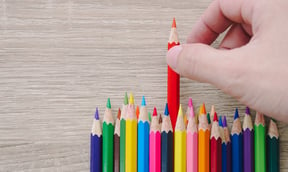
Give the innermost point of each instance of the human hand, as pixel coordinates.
(251, 63)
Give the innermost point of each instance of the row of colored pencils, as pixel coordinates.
(138, 143)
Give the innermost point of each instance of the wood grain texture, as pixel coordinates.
(60, 59)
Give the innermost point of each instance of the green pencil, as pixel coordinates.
(259, 143)
(108, 137)
(123, 134)
(273, 147)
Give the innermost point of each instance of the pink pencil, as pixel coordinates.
(155, 144)
(192, 141)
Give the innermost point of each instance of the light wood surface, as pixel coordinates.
(59, 59)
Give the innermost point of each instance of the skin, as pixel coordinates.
(251, 63)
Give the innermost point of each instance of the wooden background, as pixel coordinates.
(59, 59)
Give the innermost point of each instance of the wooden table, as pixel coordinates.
(60, 59)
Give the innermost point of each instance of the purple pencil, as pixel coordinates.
(248, 142)
(228, 167)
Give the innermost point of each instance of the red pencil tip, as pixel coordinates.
(137, 111)
(155, 112)
(215, 117)
(174, 23)
(119, 113)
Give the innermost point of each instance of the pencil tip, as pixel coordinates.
(108, 105)
(208, 118)
(149, 116)
(191, 112)
(224, 121)
(180, 112)
(126, 99)
(190, 103)
(119, 114)
(174, 23)
(131, 99)
(96, 114)
(203, 109)
(155, 112)
(236, 115)
(248, 111)
(220, 121)
(166, 112)
(137, 111)
(215, 117)
(143, 101)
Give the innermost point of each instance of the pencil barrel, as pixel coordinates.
(204, 150)
(180, 151)
(155, 152)
(260, 148)
(272, 154)
(237, 152)
(192, 152)
(96, 153)
(122, 144)
(167, 152)
(116, 153)
(107, 155)
(143, 146)
(248, 150)
(216, 154)
(131, 146)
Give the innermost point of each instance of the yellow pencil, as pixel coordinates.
(131, 137)
(203, 141)
(180, 143)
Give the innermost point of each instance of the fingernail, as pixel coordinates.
(172, 56)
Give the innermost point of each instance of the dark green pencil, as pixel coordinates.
(273, 147)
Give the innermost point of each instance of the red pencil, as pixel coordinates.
(173, 80)
(216, 146)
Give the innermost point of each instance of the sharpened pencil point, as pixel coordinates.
(248, 111)
(131, 99)
(180, 112)
(174, 23)
(236, 115)
(220, 121)
(143, 101)
(149, 116)
(215, 118)
(126, 99)
(119, 114)
(155, 112)
(208, 118)
(203, 109)
(191, 112)
(108, 105)
(137, 111)
(96, 114)
(190, 103)
(166, 112)
(224, 121)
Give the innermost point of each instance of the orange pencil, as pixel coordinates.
(203, 141)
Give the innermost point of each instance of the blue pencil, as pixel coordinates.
(96, 145)
(143, 138)
(237, 144)
(224, 146)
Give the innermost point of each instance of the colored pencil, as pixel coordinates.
(96, 145)
(131, 137)
(237, 144)
(180, 143)
(137, 111)
(117, 143)
(143, 138)
(259, 143)
(160, 119)
(248, 142)
(226, 147)
(209, 120)
(187, 114)
(203, 141)
(155, 144)
(212, 112)
(192, 141)
(123, 135)
(223, 148)
(215, 146)
(149, 116)
(273, 147)
(108, 137)
(173, 79)
(166, 143)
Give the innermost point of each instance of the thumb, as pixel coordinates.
(205, 64)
